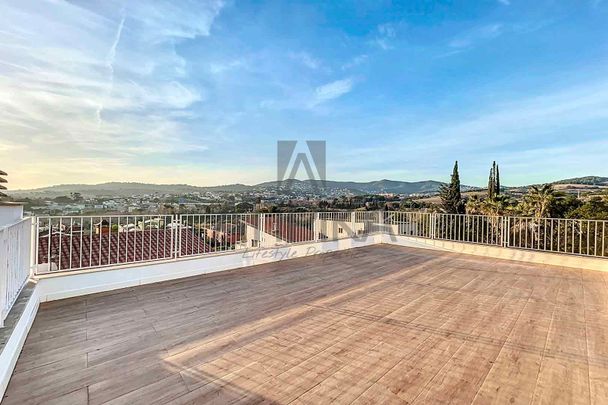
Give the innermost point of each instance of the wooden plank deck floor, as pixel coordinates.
(381, 324)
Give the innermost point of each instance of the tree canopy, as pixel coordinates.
(451, 198)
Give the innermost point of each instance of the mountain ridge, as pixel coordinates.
(118, 188)
(370, 187)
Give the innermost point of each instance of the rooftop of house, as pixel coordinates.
(75, 251)
(387, 324)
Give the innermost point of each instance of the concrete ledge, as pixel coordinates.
(521, 255)
(23, 312)
(76, 283)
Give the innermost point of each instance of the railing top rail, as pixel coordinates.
(446, 214)
(103, 216)
(557, 219)
(308, 213)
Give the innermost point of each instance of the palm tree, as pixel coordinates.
(2, 187)
(539, 199)
(473, 205)
(496, 206)
(538, 203)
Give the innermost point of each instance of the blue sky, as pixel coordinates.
(199, 92)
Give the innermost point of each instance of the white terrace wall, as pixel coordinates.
(76, 283)
(497, 252)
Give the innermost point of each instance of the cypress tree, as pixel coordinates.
(494, 182)
(497, 181)
(451, 198)
(491, 184)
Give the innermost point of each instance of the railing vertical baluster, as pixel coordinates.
(60, 241)
(603, 238)
(49, 244)
(588, 235)
(35, 244)
(573, 233)
(71, 240)
(595, 238)
(559, 236)
(109, 240)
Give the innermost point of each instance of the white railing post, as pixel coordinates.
(353, 221)
(34, 242)
(15, 255)
(176, 235)
(262, 228)
(506, 231)
(315, 226)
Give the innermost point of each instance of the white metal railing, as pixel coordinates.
(15, 255)
(213, 233)
(70, 243)
(81, 242)
(481, 229)
(570, 236)
(418, 224)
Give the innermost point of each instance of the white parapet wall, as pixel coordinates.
(498, 252)
(12, 348)
(71, 284)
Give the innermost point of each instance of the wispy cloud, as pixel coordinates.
(226, 66)
(110, 64)
(332, 90)
(94, 82)
(476, 35)
(384, 35)
(306, 59)
(356, 61)
(565, 126)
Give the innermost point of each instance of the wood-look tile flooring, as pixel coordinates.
(381, 324)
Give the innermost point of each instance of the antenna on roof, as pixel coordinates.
(2, 187)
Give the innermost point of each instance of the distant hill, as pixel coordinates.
(573, 185)
(122, 189)
(588, 180)
(127, 189)
(372, 187)
(426, 187)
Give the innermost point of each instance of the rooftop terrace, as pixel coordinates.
(377, 324)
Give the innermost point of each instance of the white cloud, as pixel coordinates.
(384, 34)
(545, 133)
(387, 30)
(222, 67)
(332, 90)
(356, 61)
(306, 59)
(476, 35)
(99, 82)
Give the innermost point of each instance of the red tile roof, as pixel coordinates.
(115, 248)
